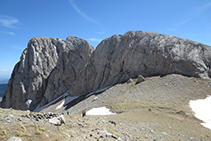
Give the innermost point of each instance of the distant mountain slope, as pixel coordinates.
(3, 88)
(4, 81)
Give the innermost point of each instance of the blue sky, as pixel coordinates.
(94, 20)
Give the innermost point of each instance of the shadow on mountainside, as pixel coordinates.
(170, 93)
(75, 102)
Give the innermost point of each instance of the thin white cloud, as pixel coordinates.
(4, 70)
(95, 40)
(8, 21)
(182, 22)
(81, 13)
(171, 29)
(193, 14)
(8, 33)
(203, 7)
(99, 32)
(11, 33)
(5, 73)
(84, 15)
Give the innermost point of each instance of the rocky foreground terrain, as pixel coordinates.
(155, 109)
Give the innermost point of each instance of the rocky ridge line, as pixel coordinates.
(50, 66)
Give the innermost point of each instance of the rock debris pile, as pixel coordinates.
(41, 116)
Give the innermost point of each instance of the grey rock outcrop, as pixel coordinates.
(46, 69)
(148, 54)
(49, 66)
(140, 79)
(58, 121)
(14, 139)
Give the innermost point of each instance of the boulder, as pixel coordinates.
(130, 80)
(140, 79)
(58, 121)
(49, 67)
(106, 134)
(14, 139)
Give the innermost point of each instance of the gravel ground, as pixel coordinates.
(130, 126)
(156, 109)
(171, 93)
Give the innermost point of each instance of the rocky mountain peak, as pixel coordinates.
(50, 67)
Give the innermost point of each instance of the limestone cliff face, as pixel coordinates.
(46, 69)
(119, 58)
(50, 66)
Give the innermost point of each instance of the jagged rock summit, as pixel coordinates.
(50, 67)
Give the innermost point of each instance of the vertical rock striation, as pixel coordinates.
(43, 70)
(51, 66)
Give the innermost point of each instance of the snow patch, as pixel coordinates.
(99, 111)
(28, 102)
(61, 105)
(38, 108)
(202, 110)
(67, 100)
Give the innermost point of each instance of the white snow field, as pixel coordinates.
(99, 111)
(202, 109)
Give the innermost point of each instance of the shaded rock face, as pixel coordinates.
(50, 66)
